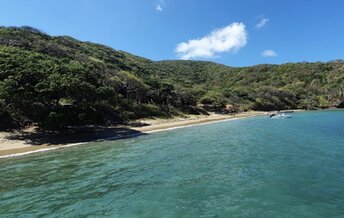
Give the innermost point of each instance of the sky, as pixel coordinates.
(234, 33)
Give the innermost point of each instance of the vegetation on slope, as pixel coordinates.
(59, 81)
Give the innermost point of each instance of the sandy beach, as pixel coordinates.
(27, 141)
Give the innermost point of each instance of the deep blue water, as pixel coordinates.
(255, 167)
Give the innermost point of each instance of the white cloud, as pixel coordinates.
(262, 22)
(160, 5)
(269, 53)
(227, 39)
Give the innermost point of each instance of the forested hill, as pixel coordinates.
(60, 81)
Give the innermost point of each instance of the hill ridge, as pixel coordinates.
(57, 81)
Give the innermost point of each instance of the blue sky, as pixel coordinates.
(235, 33)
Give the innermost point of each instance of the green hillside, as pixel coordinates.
(60, 81)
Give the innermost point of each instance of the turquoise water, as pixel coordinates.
(255, 167)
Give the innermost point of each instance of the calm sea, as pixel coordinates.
(255, 167)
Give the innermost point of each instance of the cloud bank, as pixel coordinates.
(227, 39)
(262, 22)
(269, 53)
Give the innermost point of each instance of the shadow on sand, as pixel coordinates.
(75, 135)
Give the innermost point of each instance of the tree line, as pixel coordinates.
(56, 82)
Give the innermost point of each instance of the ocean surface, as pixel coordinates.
(254, 167)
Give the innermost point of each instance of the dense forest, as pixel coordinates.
(56, 82)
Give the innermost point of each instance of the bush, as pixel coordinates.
(213, 101)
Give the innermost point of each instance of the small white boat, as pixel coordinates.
(280, 115)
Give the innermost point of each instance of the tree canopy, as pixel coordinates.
(60, 81)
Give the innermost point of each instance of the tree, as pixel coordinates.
(213, 101)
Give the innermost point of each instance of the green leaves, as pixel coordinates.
(60, 81)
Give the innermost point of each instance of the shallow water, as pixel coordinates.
(255, 167)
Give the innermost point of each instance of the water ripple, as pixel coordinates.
(255, 167)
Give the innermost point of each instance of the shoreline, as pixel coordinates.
(15, 148)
